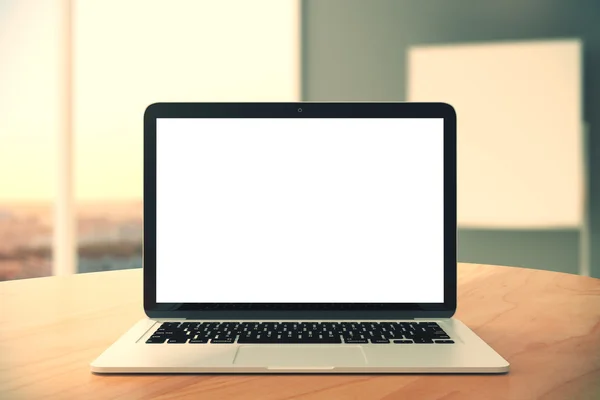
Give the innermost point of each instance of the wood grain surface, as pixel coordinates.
(546, 324)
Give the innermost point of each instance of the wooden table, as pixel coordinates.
(546, 324)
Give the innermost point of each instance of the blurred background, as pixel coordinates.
(76, 76)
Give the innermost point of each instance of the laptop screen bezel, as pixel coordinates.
(290, 311)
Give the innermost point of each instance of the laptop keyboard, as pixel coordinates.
(299, 332)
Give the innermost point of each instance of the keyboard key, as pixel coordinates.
(403, 341)
(177, 340)
(228, 340)
(274, 340)
(198, 341)
(379, 341)
(422, 340)
(444, 341)
(356, 341)
(156, 339)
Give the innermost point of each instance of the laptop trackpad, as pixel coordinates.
(290, 356)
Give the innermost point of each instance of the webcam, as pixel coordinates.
(299, 110)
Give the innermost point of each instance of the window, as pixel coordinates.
(31, 51)
(123, 56)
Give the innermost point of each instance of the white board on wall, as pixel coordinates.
(520, 142)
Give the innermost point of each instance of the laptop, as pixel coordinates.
(299, 238)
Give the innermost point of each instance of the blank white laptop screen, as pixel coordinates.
(300, 210)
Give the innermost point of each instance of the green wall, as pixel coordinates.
(355, 50)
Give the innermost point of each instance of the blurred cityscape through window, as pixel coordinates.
(109, 236)
(25, 240)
